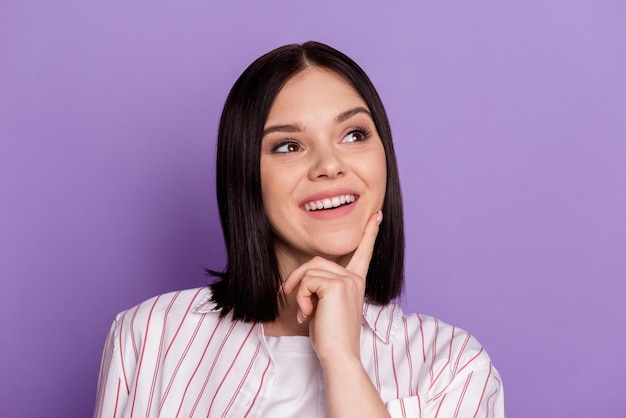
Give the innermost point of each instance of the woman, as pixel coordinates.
(301, 323)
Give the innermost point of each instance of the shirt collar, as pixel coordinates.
(206, 305)
(383, 320)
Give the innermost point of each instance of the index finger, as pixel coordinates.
(360, 261)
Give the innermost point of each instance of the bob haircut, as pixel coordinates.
(249, 286)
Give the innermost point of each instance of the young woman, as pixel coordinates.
(301, 323)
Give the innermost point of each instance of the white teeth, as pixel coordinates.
(329, 203)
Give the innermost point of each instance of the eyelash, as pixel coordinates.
(366, 133)
(282, 143)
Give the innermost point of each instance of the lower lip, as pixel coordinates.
(331, 213)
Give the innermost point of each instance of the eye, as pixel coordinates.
(356, 135)
(286, 146)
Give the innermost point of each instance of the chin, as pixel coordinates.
(337, 244)
(338, 250)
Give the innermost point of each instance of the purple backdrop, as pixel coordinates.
(510, 128)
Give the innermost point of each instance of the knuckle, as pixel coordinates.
(335, 284)
(317, 260)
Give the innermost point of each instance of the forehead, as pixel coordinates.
(314, 90)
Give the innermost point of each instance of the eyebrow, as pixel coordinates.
(342, 117)
(282, 128)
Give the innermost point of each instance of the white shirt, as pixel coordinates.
(298, 388)
(174, 356)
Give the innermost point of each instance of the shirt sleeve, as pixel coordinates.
(113, 387)
(474, 392)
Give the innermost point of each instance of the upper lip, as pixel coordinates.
(327, 194)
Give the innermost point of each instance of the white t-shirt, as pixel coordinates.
(299, 383)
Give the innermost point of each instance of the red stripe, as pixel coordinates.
(203, 304)
(431, 371)
(143, 350)
(122, 356)
(402, 408)
(450, 348)
(229, 369)
(393, 311)
(419, 404)
(395, 375)
(488, 404)
(439, 407)
(117, 397)
(260, 386)
(132, 331)
(193, 300)
(408, 354)
(375, 355)
(375, 352)
(458, 404)
(461, 352)
(433, 352)
(243, 379)
(432, 382)
(180, 361)
(210, 373)
(438, 395)
(217, 326)
(422, 335)
(159, 352)
(472, 359)
(483, 392)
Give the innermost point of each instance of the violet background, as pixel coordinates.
(509, 121)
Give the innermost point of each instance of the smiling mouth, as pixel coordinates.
(329, 203)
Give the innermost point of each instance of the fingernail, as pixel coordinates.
(380, 217)
(300, 317)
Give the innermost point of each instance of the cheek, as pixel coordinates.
(379, 179)
(276, 191)
(267, 193)
(383, 189)
(268, 182)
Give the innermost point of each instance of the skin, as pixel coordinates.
(320, 138)
(319, 154)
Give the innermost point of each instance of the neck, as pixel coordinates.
(286, 324)
(288, 260)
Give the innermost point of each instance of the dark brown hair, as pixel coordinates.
(248, 287)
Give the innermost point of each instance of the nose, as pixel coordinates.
(327, 163)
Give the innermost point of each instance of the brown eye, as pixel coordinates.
(286, 147)
(354, 136)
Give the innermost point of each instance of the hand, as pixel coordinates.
(331, 297)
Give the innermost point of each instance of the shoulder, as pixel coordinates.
(443, 342)
(163, 311)
(432, 340)
(174, 304)
(420, 360)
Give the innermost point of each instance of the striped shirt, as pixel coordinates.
(173, 356)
